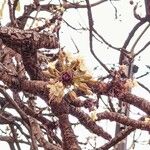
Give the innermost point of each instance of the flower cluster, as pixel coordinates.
(67, 73)
(130, 83)
(120, 82)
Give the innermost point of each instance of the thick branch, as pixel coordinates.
(40, 136)
(147, 6)
(88, 123)
(107, 89)
(112, 116)
(138, 102)
(69, 139)
(20, 39)
(119, 137)
(38, 88)
(38, 116)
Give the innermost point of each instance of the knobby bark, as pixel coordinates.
(39, 74)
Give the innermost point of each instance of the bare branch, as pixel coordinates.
(88, 123)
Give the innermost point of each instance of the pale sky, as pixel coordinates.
(115, 31)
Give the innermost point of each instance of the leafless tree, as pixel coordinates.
(42, 86)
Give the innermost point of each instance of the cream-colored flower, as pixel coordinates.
(84, 88)
(147, 120)
(72, 95)
(93, 115)
(46, 73)
(51, 65)
(135, 83)
(130, 83)
(69, 56)
(68, 71)
(2, 8)
(82, 77)
(82, 66)
(57, 90)
(79, 59)
(60, 8)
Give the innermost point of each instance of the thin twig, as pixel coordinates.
(33, 21)
(131, 34)
(144, 87)
(142, 49)
(116, 48)
(143, 75)
(139, 37)
(91, 37)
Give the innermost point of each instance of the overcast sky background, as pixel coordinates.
(115, 31)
